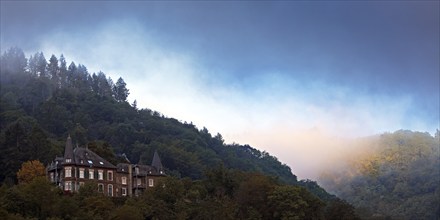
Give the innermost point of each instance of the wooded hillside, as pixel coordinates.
(44, 101)
(394, 175)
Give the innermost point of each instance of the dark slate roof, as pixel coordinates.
(156, 162)
(145, 170)
(68, 150)
(86, 157)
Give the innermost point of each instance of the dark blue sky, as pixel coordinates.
(389, 47)
(253, 67)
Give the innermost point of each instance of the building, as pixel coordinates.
(80, 165)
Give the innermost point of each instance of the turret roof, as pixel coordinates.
(68, 150)
(156, 162)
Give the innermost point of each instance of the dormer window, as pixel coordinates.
(100, 162)
(90, 162)
(68, 160)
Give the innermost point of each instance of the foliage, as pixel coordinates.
(42, 102)
(255, 197)
(30, 170)
(396, 177)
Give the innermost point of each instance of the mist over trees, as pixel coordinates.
(42, 102)
(395, 175)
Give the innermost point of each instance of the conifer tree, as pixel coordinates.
(120, 90)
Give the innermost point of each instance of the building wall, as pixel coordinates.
(119, 183)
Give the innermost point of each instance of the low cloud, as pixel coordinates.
(304, 124)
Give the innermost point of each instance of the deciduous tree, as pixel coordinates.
(30, 170)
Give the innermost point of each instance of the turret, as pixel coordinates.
(157, 163)
(68, 151)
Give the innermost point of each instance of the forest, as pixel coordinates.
(392, 176)
(221, 194)
(44, 101)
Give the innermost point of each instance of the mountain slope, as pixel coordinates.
(397, 175)
(42, 102)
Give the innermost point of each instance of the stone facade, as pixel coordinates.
(81, 165)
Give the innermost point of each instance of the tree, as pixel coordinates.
(252, 196)
(63, 71)
(293, 202)
(38, 64)
(100, 85)
(98, 206)
(71, 71)
(53, 70)
(41, 197)
(30, 170)
(126, 212)
(340, 210)
(42, 65)
(120, 90)
(13, 61)
(134, 105)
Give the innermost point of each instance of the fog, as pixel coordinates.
(300, 97)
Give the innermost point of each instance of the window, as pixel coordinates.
(89, 161)
(100, 187)
(151, 182)
(110, 175)
(110, 189)
(91, 174)
(51, 177)
(68, 160)
(81, 172)
(139, 182)
(68, 186)
(100, 175)
(124, 180)
(124, 191)
(68, 172)
(136, 170)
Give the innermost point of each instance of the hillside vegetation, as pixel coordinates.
(42, 102)
(222, 194)
(394, 175)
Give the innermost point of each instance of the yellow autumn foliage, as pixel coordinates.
(30, 170)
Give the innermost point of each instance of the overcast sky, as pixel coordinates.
(288, 77)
